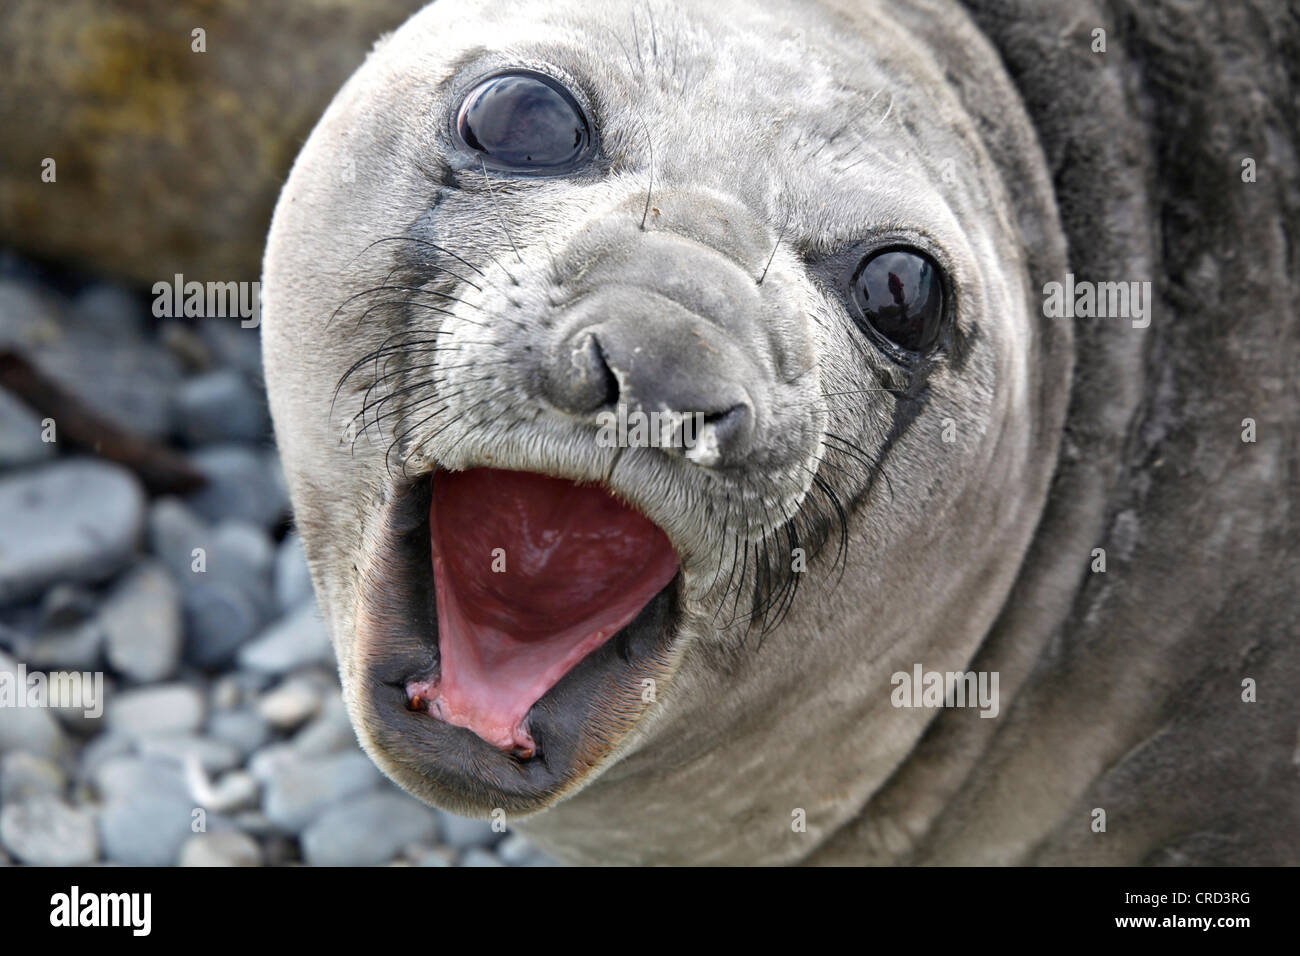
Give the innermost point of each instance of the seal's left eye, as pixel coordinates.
(899, 295)
(525, 122)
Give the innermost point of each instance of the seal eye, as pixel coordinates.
(900, 295)
(525, 122)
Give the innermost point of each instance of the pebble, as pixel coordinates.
(477, 856)
(222, 848)
(109, 310)
(367, 830)
(175, 531)
(28, 316)
(219, 620)
(233, 345)
(45, 831)
(297, 640)
(20, 434)
(79, 647)
(462, 832)
(432, 856)
(102, 749)
(297, 790)
(328, 733)
(65, 605)
(242, 729)
(237, 790)
(241, 485)
(72, 520)
(24, 774)
(142, 622)
(147, 814)
(123, 776)
(291, 704)
(132, 387)
(221, 405)
(214, 756)
(159, 709)
(292, 575)
(29, 728)
(146, 830)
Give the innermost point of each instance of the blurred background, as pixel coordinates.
(145, 533)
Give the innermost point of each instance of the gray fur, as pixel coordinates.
(991, 132)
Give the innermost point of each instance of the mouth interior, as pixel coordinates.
(532, 573)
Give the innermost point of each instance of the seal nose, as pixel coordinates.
(655, 364)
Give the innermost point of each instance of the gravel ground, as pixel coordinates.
(223, 739)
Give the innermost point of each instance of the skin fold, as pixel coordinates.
(949, 508)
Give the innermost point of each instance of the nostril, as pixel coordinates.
(722, 437)
(610, 379)
(578, 377)
(728, 425)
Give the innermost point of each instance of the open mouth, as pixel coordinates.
(508, 625)
(532, 574)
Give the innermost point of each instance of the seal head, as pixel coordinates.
(518, 227)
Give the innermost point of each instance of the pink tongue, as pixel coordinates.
(532, 574)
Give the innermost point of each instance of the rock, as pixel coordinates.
(147, 812)
(280, 850)
(462, 832)
(142, 622)
(223, 848)
(110, 310)
(45, 831)
(175, 531)
(20, 434)
(233, 345)
(79, 647)
(242, 729)
(366, 831)
(65, 605)
(514, 850)
(24, 774)
(165, 708)
(477, 856)
(186, 344)
(147, 830)
(28, 728)
(297, 790)
(240, 484)
(292, 575)
(328, 733)
(219, 620)
(71, 520)
(214, 756)
(100, 751)
(126, 776)
(237, 790)
(131, 386)
(246, 552)
(432, 856)
(295, 701)
(226, 693)
(29, 315)
(221, 405)
(297, 640)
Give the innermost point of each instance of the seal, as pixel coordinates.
(832, 238)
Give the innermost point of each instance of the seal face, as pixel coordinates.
(793, 257)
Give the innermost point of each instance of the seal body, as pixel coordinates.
(909, 466)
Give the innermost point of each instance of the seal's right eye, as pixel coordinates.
(524, 122)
